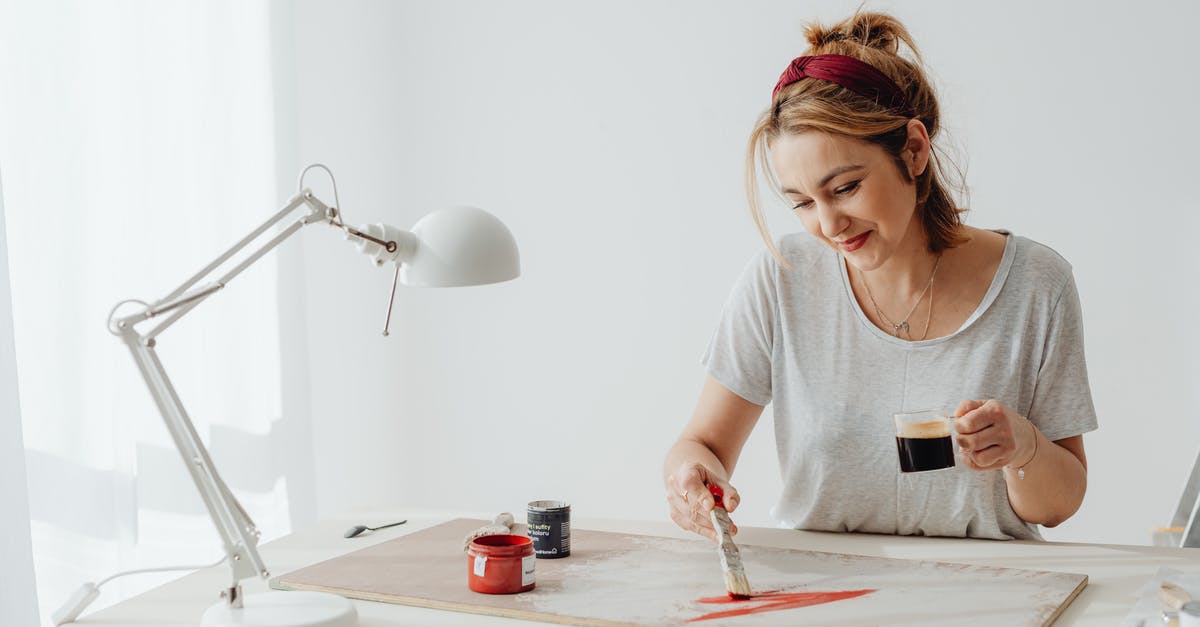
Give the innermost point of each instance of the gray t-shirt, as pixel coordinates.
(799, 339)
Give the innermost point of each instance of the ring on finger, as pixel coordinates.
(683, 494)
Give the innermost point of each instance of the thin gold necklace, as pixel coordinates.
(897, 327)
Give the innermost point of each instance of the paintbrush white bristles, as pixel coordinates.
(736, 584)
(502, 524)
(731, 559)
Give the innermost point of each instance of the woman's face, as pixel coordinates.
(851, 194)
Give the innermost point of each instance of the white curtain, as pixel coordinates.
(137, 141)
(18, 598)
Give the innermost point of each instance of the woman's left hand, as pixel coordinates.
(991, 436)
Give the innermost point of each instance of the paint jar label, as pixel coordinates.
(528, 563)
(550, 528)
(480, 565)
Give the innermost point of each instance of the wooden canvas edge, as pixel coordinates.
(1064, 604)
(483, 610)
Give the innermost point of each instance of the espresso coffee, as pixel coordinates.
(925, 446)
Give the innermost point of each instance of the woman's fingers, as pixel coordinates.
(985, 434)
(703, 525)
(694, 487)
(967, 406)
(980, 416)
(729, 501)
(685, 485)
(987, 459)
(690, 500)
(729, 494)
(694, 520)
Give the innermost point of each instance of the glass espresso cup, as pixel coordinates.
(925, 440)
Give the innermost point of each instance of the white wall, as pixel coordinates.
(609, 136)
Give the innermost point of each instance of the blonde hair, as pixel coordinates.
(811, 104)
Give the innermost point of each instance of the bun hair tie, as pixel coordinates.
(857, 76)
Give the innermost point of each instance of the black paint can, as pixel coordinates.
(550, 528)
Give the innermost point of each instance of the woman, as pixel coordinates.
(889, 303)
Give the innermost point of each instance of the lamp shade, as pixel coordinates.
(460, 246)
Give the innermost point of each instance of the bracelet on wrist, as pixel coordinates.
(1021, 469)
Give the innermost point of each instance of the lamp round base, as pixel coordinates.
(284, 609)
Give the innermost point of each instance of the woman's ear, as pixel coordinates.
(916, 148)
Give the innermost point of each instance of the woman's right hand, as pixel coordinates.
(691, 502)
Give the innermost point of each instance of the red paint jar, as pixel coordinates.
(500, 564)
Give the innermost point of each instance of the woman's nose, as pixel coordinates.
(833, 222)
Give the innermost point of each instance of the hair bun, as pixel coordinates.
(819, 36)
(873, 30)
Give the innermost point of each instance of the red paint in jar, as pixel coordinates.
(500, 564)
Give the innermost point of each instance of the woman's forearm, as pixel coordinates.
(1053, 487)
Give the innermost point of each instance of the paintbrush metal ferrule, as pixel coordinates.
(731, 558)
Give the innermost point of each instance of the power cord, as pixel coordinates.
(88, 592)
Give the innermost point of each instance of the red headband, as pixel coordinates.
(850, 73)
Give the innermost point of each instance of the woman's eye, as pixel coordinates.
(847, 188)
(803, 204)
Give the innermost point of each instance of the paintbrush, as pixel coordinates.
(502, 524)
(731, 559)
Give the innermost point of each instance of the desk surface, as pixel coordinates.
(1116, 572)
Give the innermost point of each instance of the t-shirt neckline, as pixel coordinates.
(993, 291)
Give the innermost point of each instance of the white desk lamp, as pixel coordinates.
(450, 247)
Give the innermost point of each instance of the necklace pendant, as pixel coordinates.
(904, 326)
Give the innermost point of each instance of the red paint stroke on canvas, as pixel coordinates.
(774, 601)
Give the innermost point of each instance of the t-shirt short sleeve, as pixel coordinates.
(1062, 399)
(739, 354)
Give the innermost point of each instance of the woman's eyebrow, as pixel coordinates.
(832, 173)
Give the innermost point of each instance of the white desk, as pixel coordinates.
(1115, 572)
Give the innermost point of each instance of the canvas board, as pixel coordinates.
(627, 579)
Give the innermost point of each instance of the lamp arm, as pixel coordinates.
(237, 530)
(291, 205)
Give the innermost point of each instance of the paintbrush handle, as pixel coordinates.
(718, 494)
(721, 522)
(730, 555)
(731, 558)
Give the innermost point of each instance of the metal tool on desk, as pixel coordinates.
(358, 530)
